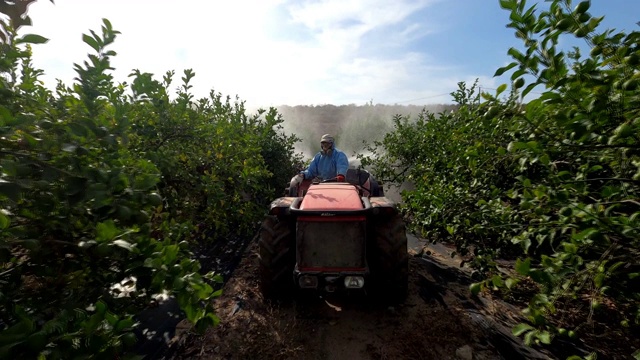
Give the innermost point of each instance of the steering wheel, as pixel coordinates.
(335, 179)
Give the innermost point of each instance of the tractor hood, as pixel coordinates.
(332, 197)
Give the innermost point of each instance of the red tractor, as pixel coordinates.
(334, 236)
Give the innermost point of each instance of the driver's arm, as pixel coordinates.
(342, 164)
(312, 170)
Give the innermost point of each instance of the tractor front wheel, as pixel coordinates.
(390, 260)
(277, 258)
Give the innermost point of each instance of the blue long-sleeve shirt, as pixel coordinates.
(327, 166)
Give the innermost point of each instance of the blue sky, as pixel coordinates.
(285, 52)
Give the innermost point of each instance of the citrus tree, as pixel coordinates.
(105, 183)
(219, 166)
(558, 175)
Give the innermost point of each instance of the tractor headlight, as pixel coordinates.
(353, 282)
(308, 282)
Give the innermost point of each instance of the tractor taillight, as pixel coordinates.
(353, 282)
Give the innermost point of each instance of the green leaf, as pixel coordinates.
(146, 182)
(526, 205)
(107, 24)
(598, 280)
(207, 321)
(544, 337)
(91, 324)
(501, 89)
(124, 324)
(595, 168)
(4, 221)
(171, 253)
(77, 129)
(32, 39)
(508, 4)
(549, 95)
(545, 160)
(517, 74)
(523, 267)
(101, 307)
(475, 288)
(111, 318)
(91, 42)
(528, 89)
(582, 7)
(570, 248)
(496, 280)
(541, 277)
(516, 145)
(5, 116)
(585, 234)
(504, 69)
(516, 54)
(106, 231)
(565, 23)
(521, 329)
(450, 229)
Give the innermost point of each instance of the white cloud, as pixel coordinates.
(314, 52)
(365, 14)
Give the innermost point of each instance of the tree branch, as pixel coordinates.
(620, 202)
(398, 175)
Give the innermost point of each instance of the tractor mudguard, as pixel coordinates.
(383, 205)
(280, 206)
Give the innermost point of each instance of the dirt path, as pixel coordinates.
(439, 320)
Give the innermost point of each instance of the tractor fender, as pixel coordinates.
(383, 205)
(281, 206)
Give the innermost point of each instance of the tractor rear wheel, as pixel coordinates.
(277, 258)
(390, 262)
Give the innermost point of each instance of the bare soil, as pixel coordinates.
(439, 320)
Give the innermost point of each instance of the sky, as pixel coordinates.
(298, 52)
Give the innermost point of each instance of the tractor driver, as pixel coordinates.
(328, 163)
